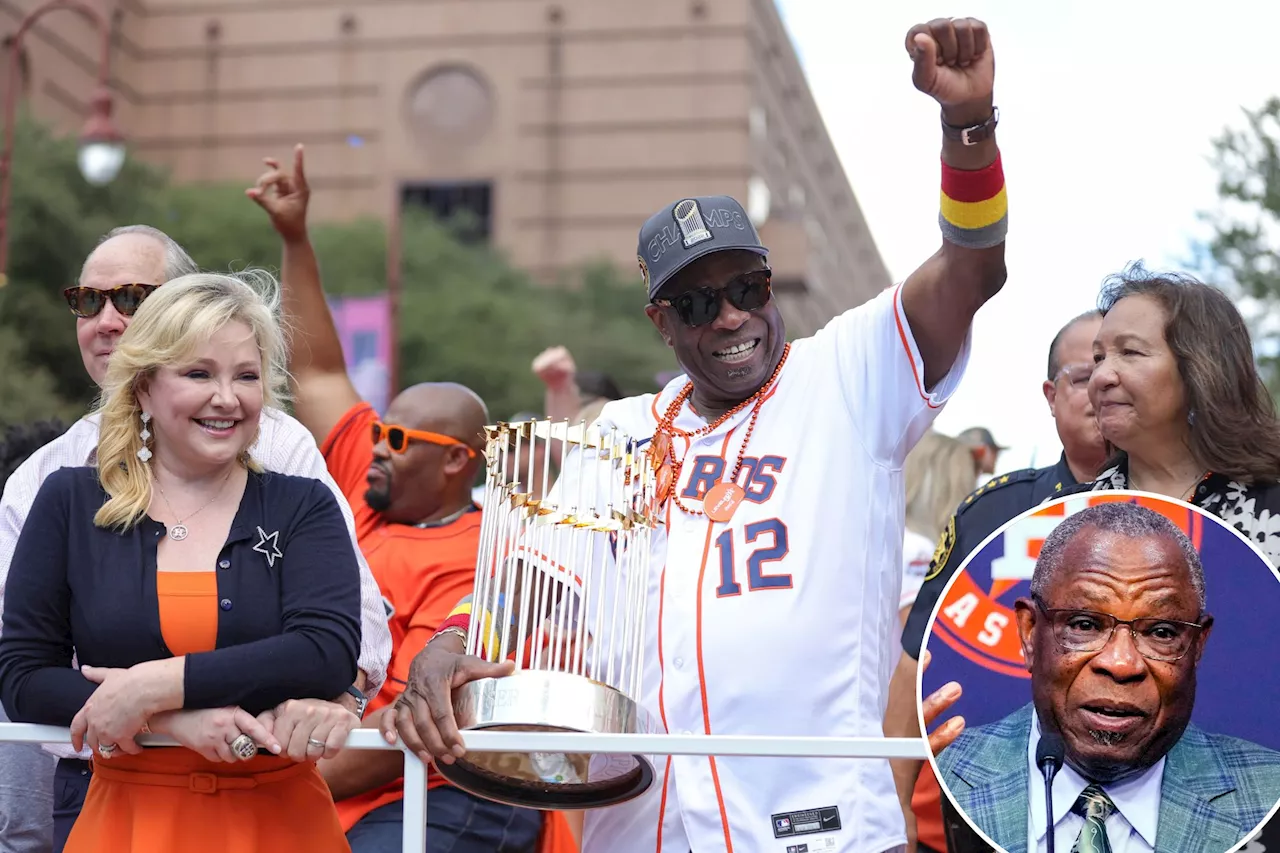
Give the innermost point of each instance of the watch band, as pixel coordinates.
(362, 701)
(975, 133)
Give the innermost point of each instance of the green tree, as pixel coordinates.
(1243, 254)
(55, 219)
(467, 314)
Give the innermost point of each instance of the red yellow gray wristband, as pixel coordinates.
(974, 210)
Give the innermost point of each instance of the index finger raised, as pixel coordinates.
(299, 168)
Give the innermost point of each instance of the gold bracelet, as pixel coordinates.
(453, 629)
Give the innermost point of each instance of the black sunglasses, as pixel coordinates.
(748, 292)
(88, 302)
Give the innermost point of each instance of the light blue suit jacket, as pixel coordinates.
(1216, 789)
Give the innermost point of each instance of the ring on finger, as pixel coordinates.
(105, 749)
(244, 747)
(316, 744)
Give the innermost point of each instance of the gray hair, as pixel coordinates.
(177, 262)
(1125, 519)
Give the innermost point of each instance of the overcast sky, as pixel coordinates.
(1107, 111)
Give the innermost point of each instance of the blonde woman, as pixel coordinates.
(940, 473)
(205, 599)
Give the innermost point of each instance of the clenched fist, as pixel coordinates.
(954, 65)
(555, 367)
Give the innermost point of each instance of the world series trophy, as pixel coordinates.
(561, 589)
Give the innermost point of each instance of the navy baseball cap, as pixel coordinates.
(689, 229)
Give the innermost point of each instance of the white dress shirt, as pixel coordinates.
(1131, 828)
(284, 446)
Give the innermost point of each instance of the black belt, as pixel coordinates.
(74, 766)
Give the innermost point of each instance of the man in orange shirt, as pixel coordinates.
(408, 479)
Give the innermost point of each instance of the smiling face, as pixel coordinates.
(125, 259)
(1136, 388)
(729, 358)
(205, 411)
(1118, 711)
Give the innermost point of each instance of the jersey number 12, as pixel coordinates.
(772, 549)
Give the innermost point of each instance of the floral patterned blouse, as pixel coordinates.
(1253, 510)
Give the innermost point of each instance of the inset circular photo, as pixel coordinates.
(1116, 656)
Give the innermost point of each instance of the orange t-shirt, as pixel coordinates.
(421, 572)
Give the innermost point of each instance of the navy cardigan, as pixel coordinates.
(288, 592)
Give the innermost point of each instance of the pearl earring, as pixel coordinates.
(145, 453)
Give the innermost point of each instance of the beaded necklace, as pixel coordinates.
(722, 499)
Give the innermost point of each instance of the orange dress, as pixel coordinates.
(172, 799)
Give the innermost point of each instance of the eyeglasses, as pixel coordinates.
(748, 292)
(1078, 375)
(1086, 631)
(398, 438)
(88, 302)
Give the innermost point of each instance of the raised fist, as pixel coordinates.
(555, 367)
(954, 65)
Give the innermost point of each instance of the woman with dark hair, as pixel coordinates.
(1181, 405)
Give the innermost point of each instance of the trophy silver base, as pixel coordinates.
(540, 701)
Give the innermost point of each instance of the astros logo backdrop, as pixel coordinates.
(974, 637)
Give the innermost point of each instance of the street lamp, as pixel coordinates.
(101, 152)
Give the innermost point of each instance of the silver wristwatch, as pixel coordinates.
(362, 701)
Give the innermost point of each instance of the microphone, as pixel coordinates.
(1049, 753)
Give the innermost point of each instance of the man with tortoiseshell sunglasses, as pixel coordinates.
(408, 475)
(128, 264)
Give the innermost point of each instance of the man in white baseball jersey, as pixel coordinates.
(125, 267)
(775, 580)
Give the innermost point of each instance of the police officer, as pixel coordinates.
(998, 501)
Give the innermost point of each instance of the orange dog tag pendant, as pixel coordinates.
(660, 448)
(722, 501)
(662, 489)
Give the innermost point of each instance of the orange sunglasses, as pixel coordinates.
(398, 438)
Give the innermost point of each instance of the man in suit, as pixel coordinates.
(1112, 635)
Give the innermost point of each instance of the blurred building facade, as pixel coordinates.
(557, 125)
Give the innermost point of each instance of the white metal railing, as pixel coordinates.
(415, 772)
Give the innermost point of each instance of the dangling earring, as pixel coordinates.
(145, 453)
(1191, 418)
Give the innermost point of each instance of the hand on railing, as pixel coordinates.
(118, 709)
(424, 712)
(310, 729)
(211, 731)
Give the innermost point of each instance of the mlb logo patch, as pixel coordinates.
(782, 824)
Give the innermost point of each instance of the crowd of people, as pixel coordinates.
(190, 560)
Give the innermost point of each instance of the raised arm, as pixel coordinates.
(555, 367)
(323, 391)
(955, 65)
